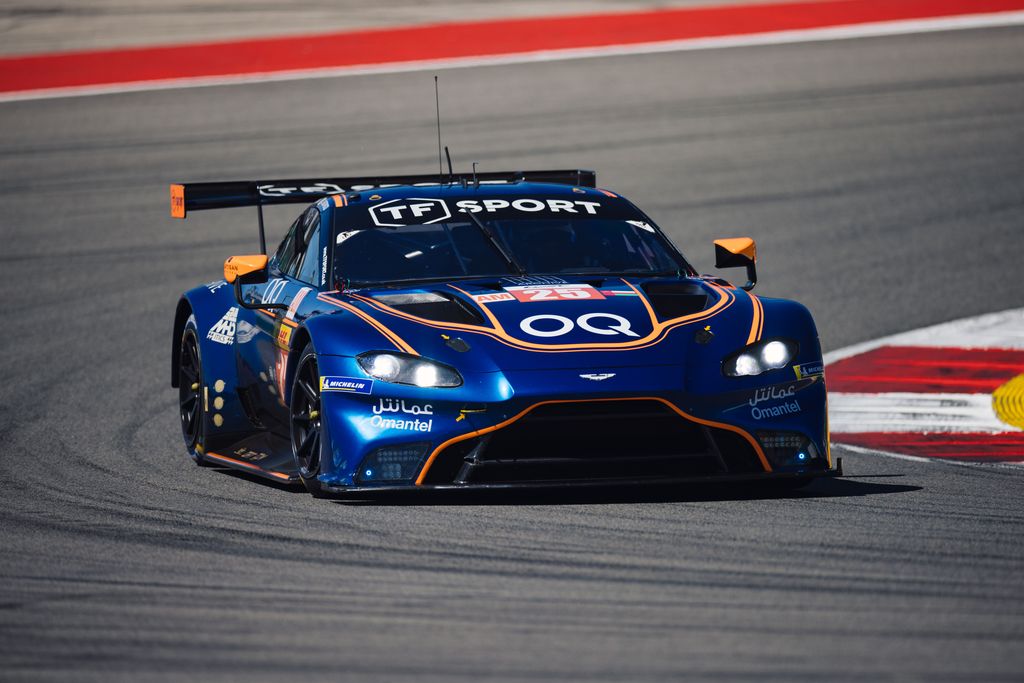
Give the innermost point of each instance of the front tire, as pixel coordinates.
(190, 392)
(305, 420)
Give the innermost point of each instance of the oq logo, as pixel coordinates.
(415, 211)
(548, 325)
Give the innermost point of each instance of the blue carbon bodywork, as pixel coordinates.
(522, 354)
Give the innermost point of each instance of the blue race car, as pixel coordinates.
(488, 330)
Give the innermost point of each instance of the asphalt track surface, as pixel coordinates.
(882, 180)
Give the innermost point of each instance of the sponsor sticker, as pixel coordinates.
(525, 205)
(809, 369)
(775, 392)
(790, 408)
(550, 325)
(351, 385)
(398, 213)
(284, 337)
(409, 425)
(284, 191)
(554, 293)
(393, 405)
(491, 298)
(224, 331)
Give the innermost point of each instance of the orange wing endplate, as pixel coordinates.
(177, 201)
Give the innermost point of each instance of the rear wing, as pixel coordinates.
(187, 197)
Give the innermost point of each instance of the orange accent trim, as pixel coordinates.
(741, 246)
(757, 324)
(338, 201)
(177, 201)
(373, 322)
(247, 465)
(243, 265)
(497, 332)
(721, 425)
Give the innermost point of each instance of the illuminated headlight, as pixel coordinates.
(392, 463)
(400, 368)
(761, 357)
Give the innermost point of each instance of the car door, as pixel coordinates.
(295, 274)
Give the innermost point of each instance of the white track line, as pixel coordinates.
(850, 412)
(872, 30)
(1003, 330)
(914, 413)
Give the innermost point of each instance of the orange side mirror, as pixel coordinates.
(248, 270)
(735, 252)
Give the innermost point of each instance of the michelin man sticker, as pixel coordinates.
(224, 331)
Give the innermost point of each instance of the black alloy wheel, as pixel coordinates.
(190, 393)
(305, 421)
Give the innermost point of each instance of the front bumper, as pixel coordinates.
(555, 429)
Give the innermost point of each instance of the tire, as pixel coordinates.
(190, 392)
(304, 421)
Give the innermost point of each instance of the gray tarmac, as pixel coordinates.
(882, 179)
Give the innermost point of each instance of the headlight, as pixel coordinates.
(770, 354)
(400, 368)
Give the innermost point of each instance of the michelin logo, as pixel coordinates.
(351, 385)
(224, 331)
(809, 369)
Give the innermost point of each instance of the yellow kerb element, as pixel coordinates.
(177, 201)
(236, 266)
(741, 246)
(1008, 402)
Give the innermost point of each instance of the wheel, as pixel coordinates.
(307, 444)
(190, 392)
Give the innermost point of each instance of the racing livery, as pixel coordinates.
(488, 330)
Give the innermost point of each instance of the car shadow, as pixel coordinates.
(256, 479)
(844, 487)
(648, 493)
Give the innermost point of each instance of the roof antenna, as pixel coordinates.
(437, 104)
(476, 183)
(450, 172)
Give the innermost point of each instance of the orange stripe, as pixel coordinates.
(497, 332)
(248, 465)
(377, 325)
(758, 322)
(462, 437)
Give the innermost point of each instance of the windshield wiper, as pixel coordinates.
(497, 243)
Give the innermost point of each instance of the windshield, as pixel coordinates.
(494, 248)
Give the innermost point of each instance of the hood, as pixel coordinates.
(519, 323)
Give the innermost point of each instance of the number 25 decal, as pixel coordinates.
(555, 293)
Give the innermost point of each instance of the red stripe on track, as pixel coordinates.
(1006, 447)
(458, 40)
(923, 369)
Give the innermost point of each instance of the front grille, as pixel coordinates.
(594, 440)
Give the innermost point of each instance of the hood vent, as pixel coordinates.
(438, 306)
(676, 299)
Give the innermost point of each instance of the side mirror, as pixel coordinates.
(735, 252)
(247, 270)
